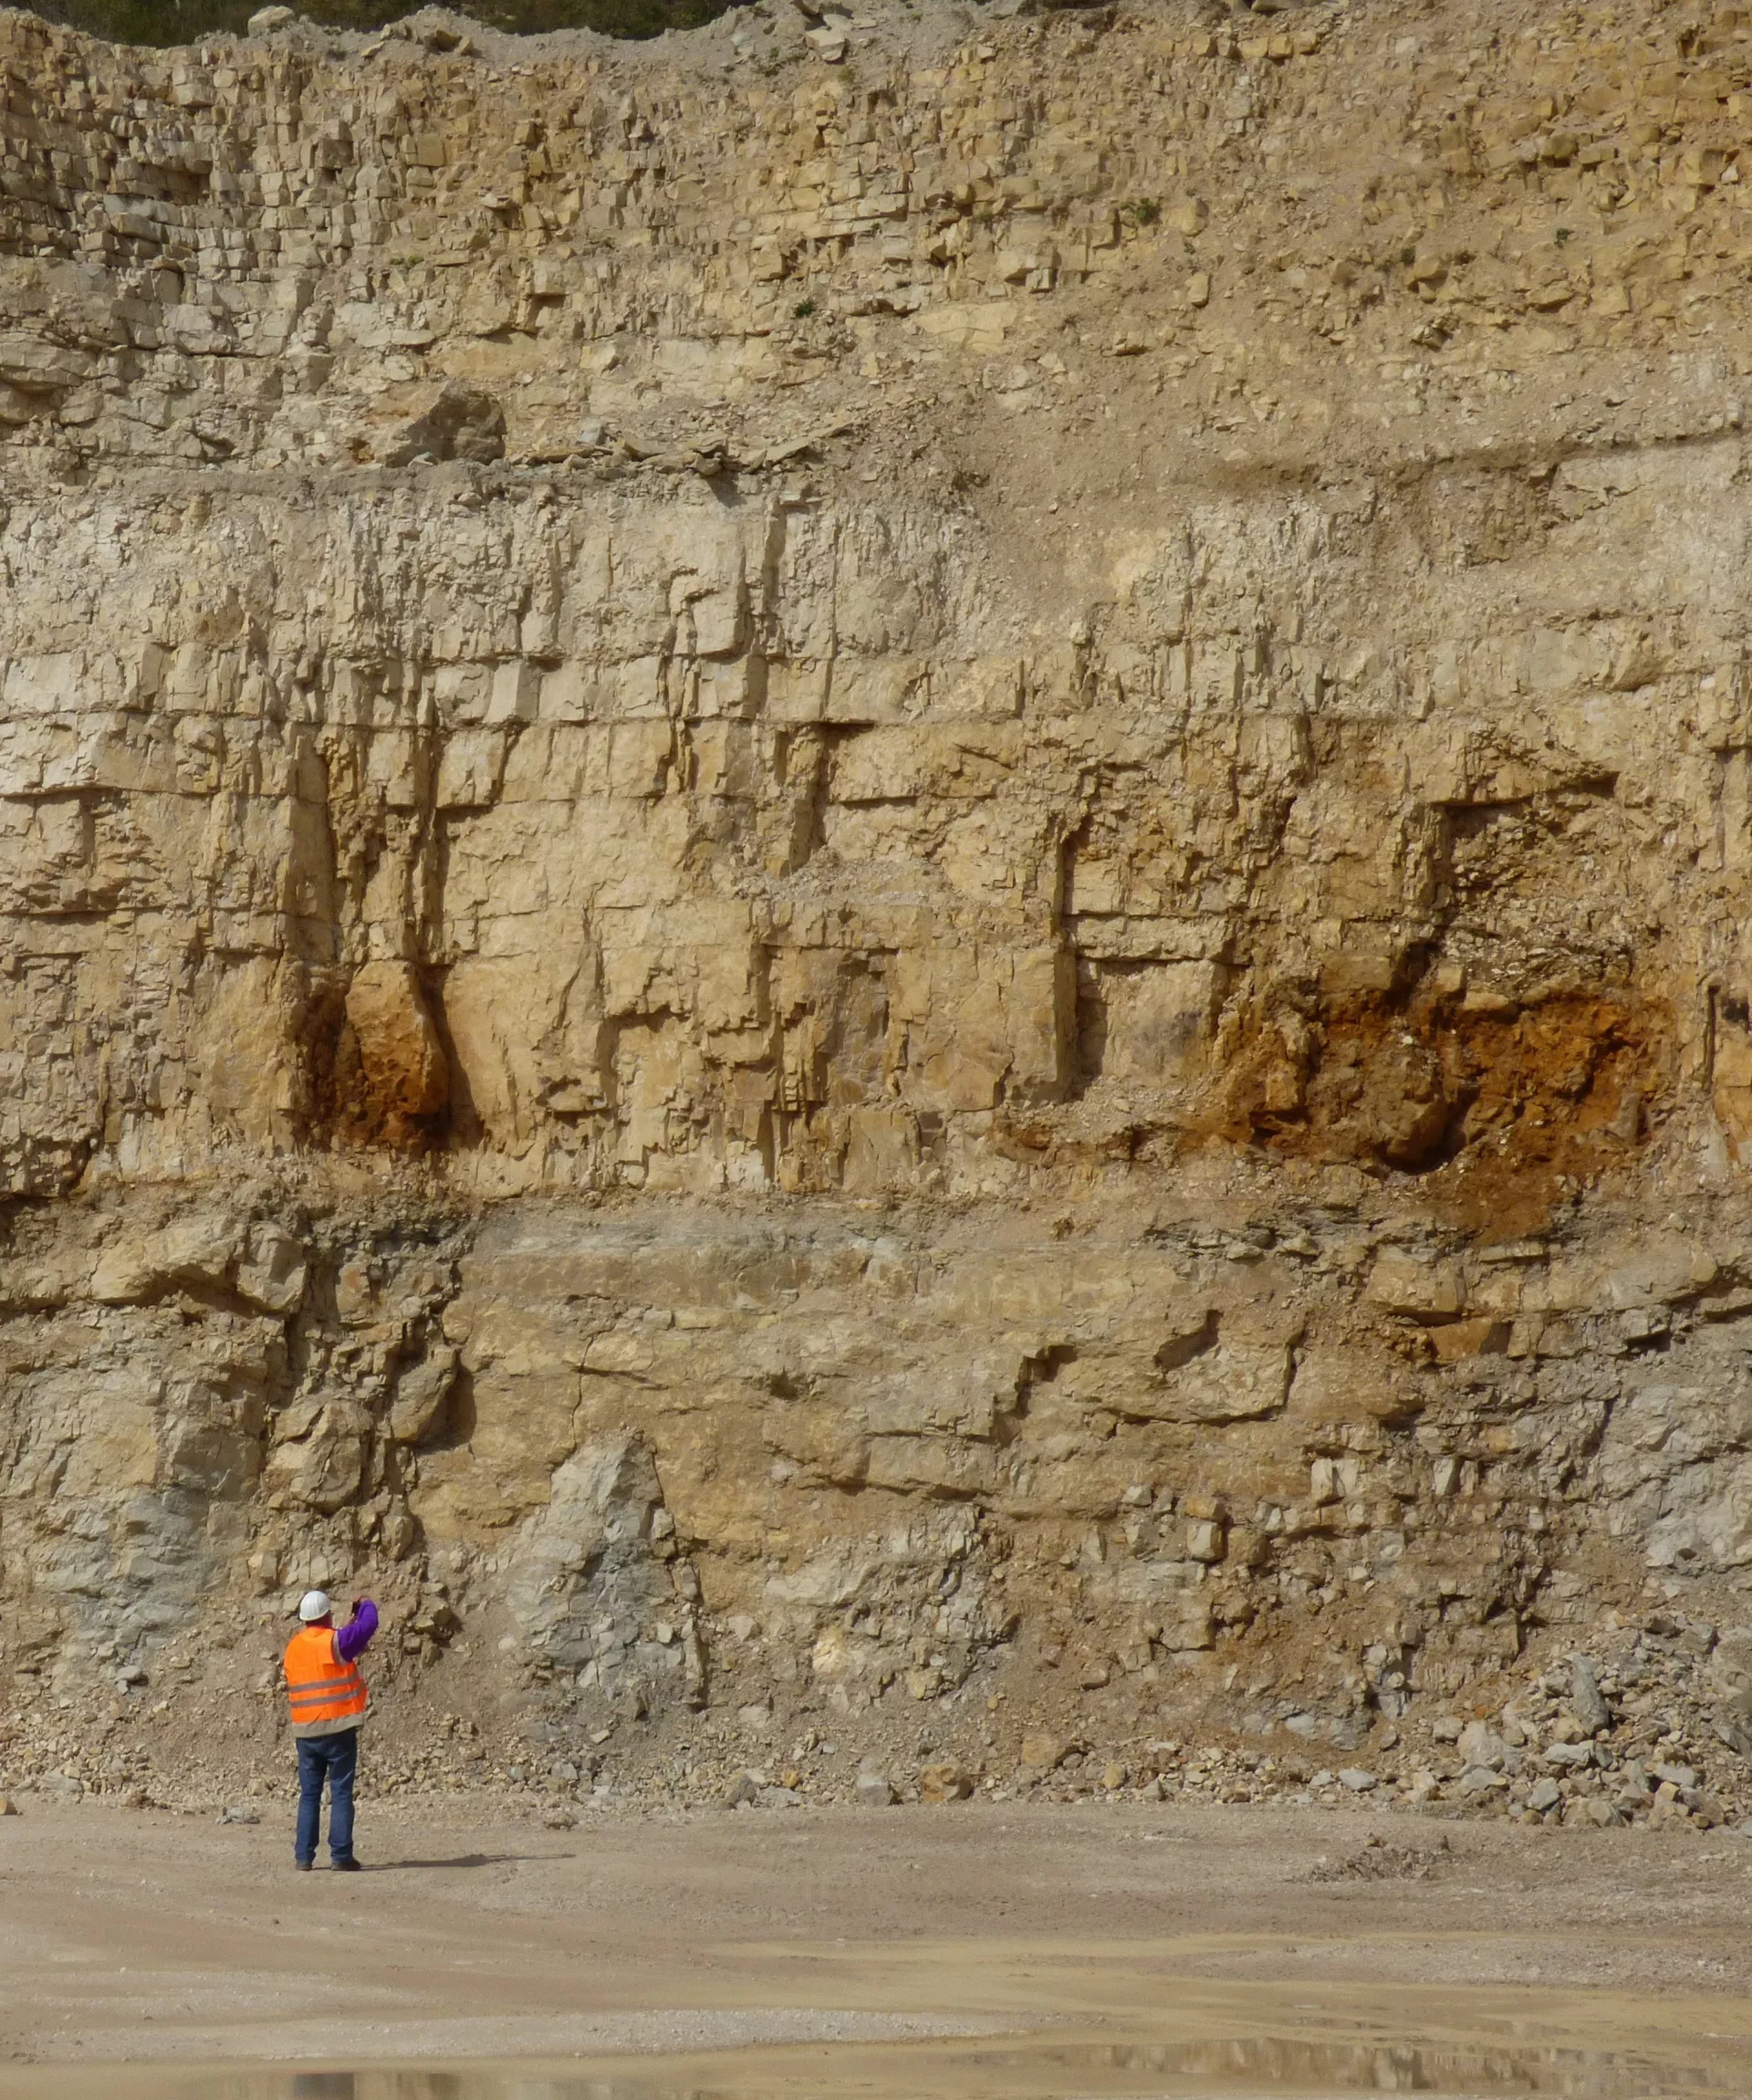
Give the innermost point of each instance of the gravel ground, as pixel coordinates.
(157, 1938)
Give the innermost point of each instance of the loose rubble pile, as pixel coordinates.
(877, 885)
(1599, 1745)
(1380, 1861)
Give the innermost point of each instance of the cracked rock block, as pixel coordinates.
(587, 1593)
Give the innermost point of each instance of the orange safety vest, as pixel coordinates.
(327, 1694)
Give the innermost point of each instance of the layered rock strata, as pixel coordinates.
(891, 871)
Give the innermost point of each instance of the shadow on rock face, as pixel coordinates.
(463, 421)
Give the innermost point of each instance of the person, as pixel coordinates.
(328, 1703)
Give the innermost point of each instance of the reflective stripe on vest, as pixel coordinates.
(326, 1694)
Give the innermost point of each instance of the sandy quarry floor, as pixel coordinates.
(172, 1940)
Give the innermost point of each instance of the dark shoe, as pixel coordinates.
(348, 1866)
(303, 1866)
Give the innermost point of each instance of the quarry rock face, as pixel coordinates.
(895, 869)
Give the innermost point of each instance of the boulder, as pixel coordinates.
(271, 1274)
(198, 1252)
(1480, 1744)
(1043, 1751)
(421, 1399)
(1590, 1709)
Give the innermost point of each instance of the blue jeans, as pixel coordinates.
(336, 1758)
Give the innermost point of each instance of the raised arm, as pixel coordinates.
(352, 1639)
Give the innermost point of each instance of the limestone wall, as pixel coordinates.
(869, 857)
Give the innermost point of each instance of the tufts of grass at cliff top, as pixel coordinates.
(166, 22)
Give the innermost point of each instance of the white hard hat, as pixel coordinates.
(313, 1606)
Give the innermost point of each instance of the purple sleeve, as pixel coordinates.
(355, 1637)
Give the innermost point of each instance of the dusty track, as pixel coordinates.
(476, 1935)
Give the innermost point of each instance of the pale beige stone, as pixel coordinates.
(901, 984)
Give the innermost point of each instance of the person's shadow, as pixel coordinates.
(467, 1859)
